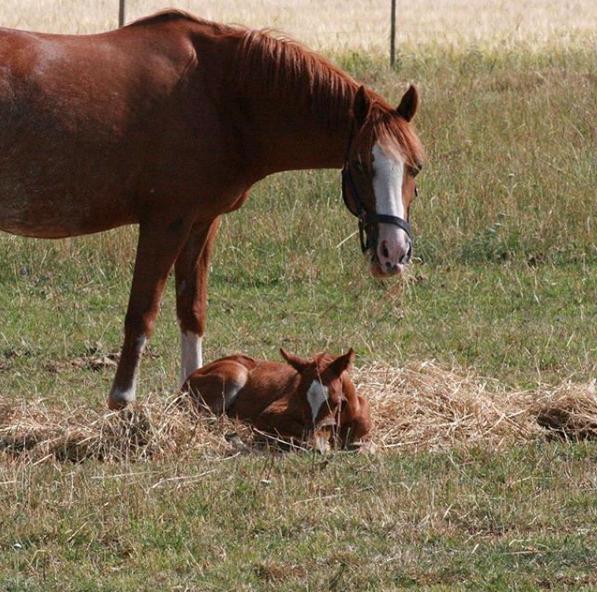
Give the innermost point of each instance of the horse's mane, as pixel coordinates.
(288, 71)
(393, 133)
(291, 73)
(273, 64)
(169, 14)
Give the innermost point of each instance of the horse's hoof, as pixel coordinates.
(116, 405)
(118, 400)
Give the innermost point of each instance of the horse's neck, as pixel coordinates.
(285, 132)
(288, 140)
(272, 381)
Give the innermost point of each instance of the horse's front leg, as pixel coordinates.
(192, 269)
(159, 245)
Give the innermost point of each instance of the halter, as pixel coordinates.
(366, 218)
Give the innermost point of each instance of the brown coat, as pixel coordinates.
(298, 400)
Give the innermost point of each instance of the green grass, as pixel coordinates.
(521, 520)
(504, 283)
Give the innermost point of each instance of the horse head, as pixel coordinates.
(382, 160)
(320, 392)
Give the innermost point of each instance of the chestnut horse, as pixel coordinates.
(167, 123)
(304, 400)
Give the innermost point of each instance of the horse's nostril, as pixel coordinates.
(406, 257)
(384, 250)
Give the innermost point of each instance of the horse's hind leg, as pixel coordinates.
(192, 269)
(158, 247)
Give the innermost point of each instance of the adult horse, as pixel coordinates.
(167, 123)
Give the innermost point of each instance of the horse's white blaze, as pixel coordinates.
(387, 187)
(317, 395)
(191, 354)
(387, 183)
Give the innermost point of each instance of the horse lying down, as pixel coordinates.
(306, 400)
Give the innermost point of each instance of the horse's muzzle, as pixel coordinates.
(386, 272)
(384, 267)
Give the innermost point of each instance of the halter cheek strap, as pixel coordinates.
(365, 217)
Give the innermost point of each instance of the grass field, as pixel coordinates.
(522, 520)
(503, 289)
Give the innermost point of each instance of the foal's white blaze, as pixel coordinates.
(191, 354)
(393, 243)
(317, 395)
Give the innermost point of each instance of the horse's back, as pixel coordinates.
(80, 117)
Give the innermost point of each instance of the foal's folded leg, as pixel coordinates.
(216, 386)
(276, 421)
(355, 422)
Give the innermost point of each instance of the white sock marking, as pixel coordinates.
(128, 394)
(191, 354)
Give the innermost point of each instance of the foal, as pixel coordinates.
(302, 400)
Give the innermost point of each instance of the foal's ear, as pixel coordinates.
(409, 103)
(298, 363)
(343, 362)
(361, 106)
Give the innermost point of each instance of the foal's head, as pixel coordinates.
(383, 158)
(320, 392)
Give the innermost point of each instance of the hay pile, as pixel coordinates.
(417, 407)
(159, 427)
(425, 406)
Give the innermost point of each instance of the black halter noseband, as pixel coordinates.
(358, 209)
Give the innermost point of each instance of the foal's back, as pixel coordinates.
(242, 384)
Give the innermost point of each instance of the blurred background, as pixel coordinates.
(336, 24)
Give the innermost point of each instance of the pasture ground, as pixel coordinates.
(522, 519)
(503, 286)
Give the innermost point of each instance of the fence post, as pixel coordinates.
(393, 34)
(121, 13)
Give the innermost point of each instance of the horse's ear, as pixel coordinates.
(343, 362)
(298, 363)
(408, 104)
(361, 106)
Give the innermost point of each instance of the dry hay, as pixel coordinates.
(157, 428)
(425, 406)
(417, 407)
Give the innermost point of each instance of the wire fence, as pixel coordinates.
(333, 25)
